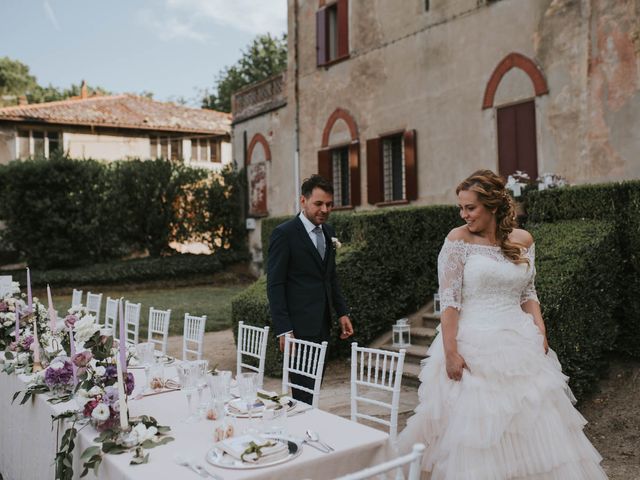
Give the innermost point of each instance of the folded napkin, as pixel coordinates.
(239, 407)
(254, 449)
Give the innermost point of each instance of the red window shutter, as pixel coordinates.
(375, 192)
(354, 173)
(325, 166)
(343, 28)
(411, 164)
(321, 36)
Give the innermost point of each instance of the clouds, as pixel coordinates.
(196, 20)
(51, 15)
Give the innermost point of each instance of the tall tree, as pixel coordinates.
(15, 81)
(264, 57)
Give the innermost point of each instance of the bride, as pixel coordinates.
(494, 403)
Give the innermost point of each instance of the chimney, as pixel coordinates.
(83, 90)
(22, 100)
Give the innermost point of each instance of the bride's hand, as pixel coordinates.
(455, 364)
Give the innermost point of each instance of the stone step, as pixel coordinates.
(430, 320)
(422, 335)
(414, 353)
(410, 374)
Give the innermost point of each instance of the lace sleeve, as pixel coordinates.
(529, 291)
(450, 269)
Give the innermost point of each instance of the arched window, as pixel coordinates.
(258, 154)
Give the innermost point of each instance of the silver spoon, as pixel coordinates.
(314, 437)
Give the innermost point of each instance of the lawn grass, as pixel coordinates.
(214, 301)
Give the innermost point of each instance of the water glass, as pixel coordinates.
(273, 420)
(187, 375)
(248, 390)
(156, 376)
(202, 367)
(220, 386)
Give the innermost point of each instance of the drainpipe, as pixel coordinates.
(296, 156)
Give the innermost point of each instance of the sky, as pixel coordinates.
(172, 48)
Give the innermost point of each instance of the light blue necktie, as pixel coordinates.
(320, 245)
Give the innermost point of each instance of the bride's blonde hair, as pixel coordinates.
(492, 193)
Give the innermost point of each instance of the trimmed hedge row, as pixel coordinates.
(136, 270)
(577, 283)
(618, 203)
(387, 269)
(63, 212)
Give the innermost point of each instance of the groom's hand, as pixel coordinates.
(346, 329)
(281, 338)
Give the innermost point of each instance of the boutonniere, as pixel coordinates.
(336, 243)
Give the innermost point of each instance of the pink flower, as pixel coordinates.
(82, 359)
(70, 320)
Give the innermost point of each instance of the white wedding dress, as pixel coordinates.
(511, 416)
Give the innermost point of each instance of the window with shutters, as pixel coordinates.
(341, 166)
(392, 175)
(332, 33)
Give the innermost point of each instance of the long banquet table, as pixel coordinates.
(28, 443)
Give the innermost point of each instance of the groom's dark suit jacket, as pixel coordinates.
(302, 288)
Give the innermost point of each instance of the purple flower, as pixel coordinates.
(82, 359)
(59, 373)
(129, 384)
(26, 342)
(70, 320)
(110, 372)
(4, 307)
(110, 395)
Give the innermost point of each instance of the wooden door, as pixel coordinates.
(517, 148)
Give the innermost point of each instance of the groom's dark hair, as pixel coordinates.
(315, 181)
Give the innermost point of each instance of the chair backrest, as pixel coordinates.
(376, 373)
(193, 336)
(159, 326)
(413, 460)
(94, 302)
(132, 322)
(252, 342)
(111, 315)
(304, 358)
(76, 298)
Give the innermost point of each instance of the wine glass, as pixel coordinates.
(220, 386)
(187, 377)
(202, 367)
(146, 355)
(248, 389)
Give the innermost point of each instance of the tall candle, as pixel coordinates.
(122, 344)
(17, 323)
(122, 398)
(36, 342)
(29, 297)
(52, 312)
(72, 351)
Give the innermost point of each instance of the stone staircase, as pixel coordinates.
(423, 330)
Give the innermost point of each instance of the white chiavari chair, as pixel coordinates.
(413, 460)
(193, 334)
(111, 315)
(132, 322)
(159, 327)
(376, 375)
(303, 358)
(252, 343)
(76, 298)
(94, 303)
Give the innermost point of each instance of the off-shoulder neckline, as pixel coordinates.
(492, 247)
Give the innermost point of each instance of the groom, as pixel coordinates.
(301, 275)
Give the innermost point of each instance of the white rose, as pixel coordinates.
(95, 391)
(23, 357)
(100, 371)
(55, 365)
(8, 323)
(100, 412)
(10, 316)
(85, 328)
(143, 433)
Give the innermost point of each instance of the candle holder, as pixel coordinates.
(401, 333)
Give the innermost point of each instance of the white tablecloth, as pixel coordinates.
(27, 444)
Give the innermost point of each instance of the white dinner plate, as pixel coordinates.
(258, 408)
(217, 457)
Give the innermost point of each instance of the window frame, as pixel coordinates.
(325, 169)
(31, 141)
(341, 36)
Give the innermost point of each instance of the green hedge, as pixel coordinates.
(136, 270)
(63, 212)
(387, 269)
(578, 276)
(618, 203)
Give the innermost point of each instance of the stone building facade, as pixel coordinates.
(397, 100)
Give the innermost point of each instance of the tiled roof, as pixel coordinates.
(122, 111)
